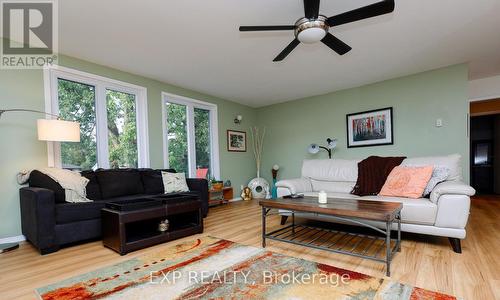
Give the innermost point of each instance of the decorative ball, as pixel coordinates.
(163, 226)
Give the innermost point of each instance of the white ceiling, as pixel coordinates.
(196, 44)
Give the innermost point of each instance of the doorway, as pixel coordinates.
(485, 146)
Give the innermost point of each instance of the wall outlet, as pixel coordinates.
(439, 122)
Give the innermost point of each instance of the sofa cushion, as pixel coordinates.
(119, 182)
(416, 211)
(152, 180)
(333, 195)
(40, 180)
(74, 212)
(451, 162)
(93, 189)
(330, 169)
(332, 186)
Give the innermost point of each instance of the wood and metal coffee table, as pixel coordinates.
(347, 211)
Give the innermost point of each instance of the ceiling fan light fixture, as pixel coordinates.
(309, 31)
(311, 35)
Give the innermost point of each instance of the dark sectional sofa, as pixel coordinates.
(49, 222)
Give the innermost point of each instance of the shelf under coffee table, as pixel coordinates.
(348, 211)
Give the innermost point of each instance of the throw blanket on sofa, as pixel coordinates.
(73, 183)
(372, 174)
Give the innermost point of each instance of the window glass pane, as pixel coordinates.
(202, 138)
(122, 129)
(177, 137)
(77, 103)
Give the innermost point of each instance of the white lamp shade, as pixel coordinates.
(58, 130)
(313, 148)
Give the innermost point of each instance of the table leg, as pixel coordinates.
(399, 232)
(263, 227)
(293, 222)
(388, 248)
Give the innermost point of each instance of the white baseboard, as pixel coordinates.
(12, 239)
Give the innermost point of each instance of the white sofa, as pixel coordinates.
(444, 213)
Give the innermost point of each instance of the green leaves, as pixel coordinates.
(77, 103)
(177, 137)
(122, 129)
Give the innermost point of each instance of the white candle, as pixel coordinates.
(322, 197)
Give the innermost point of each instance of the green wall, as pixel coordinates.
(417, 100)
(20, 149)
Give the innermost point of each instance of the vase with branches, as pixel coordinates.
(259, 186)
(257, 146)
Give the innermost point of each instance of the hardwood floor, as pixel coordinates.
(425, 261)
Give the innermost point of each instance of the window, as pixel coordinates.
(77, 103)
(190, 136)
(112, 116)
(122, 129)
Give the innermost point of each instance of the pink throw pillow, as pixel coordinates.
(409, 182)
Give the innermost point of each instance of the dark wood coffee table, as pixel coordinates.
(135, 228)
(349, 211)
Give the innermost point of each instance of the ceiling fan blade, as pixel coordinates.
(372, 10)
(287, 50)
(311, 8)
(265, 28)
(335, 44)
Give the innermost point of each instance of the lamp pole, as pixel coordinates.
(327, 150)
(27, 110)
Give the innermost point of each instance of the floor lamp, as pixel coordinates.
(51, 130)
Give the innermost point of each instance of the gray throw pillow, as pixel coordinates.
(439, 174)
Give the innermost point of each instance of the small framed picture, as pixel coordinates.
(236, 141)
(370, 128)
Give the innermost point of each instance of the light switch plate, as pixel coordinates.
(439, 122)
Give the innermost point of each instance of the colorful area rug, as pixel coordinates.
(209, 268)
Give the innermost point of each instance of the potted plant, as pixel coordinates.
(216, 184)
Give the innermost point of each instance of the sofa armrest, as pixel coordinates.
(296, 185)
(200, 186)
(453, 211)
(38, 218)
(451, 188)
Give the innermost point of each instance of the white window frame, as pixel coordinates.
(101, 84)
(191, 104)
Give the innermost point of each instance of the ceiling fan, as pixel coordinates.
(314, 27)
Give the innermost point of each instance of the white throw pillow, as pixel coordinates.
(174, 182)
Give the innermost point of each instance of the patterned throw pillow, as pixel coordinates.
(439, 174)
(408, 182)
(174, 182)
